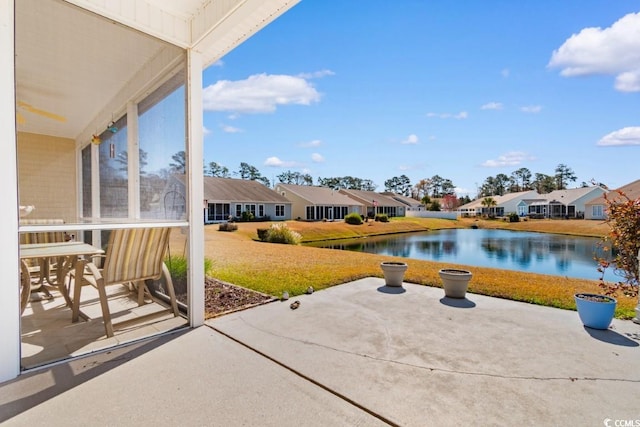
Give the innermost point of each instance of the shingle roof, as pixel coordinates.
(319, 195)
(217, 190)
(369, 196)
(632, 190)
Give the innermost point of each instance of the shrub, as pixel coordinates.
(382, 217)
(177, 266)
(247, 216)
(623, 217)
(353, 218)
(280, 233)
(227, 226)
(262, 234)
(513, 217)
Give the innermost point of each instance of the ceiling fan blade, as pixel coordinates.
(40, 112)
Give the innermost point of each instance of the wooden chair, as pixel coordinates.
(133, 256)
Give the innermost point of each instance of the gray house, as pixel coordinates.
(377, 203)
(596, 208)
(312, 203)
(229, 197)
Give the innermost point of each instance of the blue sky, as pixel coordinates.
(465, 90)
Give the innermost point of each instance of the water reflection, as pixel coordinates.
(512, 250)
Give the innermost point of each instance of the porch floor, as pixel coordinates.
(48, 334)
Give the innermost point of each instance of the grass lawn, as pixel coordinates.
(237, 257)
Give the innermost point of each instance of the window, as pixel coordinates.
(260, 211)
(279, 210)
(597, 211)
(238, 211)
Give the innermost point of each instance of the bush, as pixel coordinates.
(280, 233)
(382, 217)
(513, 217)
(247, 216)
(227, 226)
(353, 218)
(177, 266)
(262, 234)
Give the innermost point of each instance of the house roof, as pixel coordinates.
(632, 190)
(500, 200)
(403, 199)
(228, 190)
(368, 197)
(318, 195)
(568, 196)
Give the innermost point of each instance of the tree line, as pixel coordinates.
(426, 189)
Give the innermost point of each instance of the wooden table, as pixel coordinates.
(67, 255)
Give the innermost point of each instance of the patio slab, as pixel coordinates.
(416, 358)
(355, 354)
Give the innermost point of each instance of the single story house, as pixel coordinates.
(596, 208)
(568, 203)
(505, 204)
(410, 203)
(376, 203)
(311, 203)
(231, 197)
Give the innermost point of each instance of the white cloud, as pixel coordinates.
(317, 158)
(505, 73)
(411, 139)
(612, 51)
(230, 129)
(275, 162)
(316, 74)
(260, 93)
(460, 115)
(492, 106)
(511, 158)
(311, 144)
(205, 131)
(533, 109)
(218, 63)
(624, 136)
(463, 191)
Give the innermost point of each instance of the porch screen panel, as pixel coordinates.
(162, 138)
(114, 193)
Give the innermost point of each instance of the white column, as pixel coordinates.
(133, 167)
(9, 214)
(195, 188)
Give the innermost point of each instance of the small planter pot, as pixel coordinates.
(595, 311)
(393, 272)
(455, 282)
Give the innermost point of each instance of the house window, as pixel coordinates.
(597, 211)
(310, 210)
(279, 210)
(251, 209)
(261, 211)
(238, 211)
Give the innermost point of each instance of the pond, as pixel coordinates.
(543, 253)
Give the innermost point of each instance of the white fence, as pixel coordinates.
(432, 214)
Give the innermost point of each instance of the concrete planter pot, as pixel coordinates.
(393, 272)
(595, 311)
(455, 282)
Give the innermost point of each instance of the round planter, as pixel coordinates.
(455, 282)
(393, 272)
(595, 311)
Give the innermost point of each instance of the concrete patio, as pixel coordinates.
(355, 354)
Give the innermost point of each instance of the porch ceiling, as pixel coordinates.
(71, 62)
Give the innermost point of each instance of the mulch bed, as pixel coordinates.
(223, 298)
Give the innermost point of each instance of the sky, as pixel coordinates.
(464, 90)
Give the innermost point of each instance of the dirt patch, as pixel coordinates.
(222, 298)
